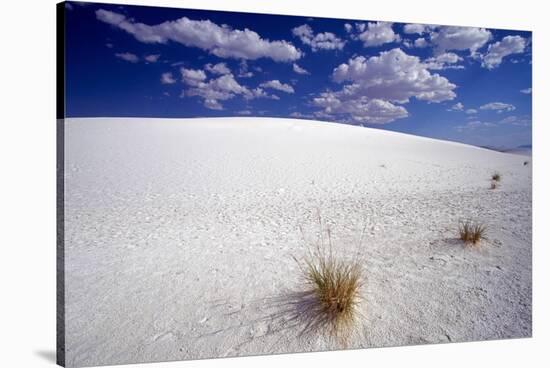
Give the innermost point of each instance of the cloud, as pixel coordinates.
(476, 124)
(298, 69)
(275, 84)
(243, 70)
(374, 87)
(222, 41)
(471, 111)
(498, 106)
(420, 43)
(527, 91)
(221, 88)
(407, 43)
(319, 41)
(378, 34)
(517, 120)
(459, 38)
(133, 58)
(457, 107)
(393, 76)
(212, 104)
(192, 77)
(360, 109)
(297, 114)
(443, 61)
(219, 68)
(497, 51)
(152, 58)
(127, 56)
(416, 28)
(167, 78)
(259, 92)
(360, 27)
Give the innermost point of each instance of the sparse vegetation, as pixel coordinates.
(496, 177)
(334, 284)
(472, 232)
(493, 184)
(525, 163)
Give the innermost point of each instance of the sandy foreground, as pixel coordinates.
(180, 233)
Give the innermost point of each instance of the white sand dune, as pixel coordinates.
(180, 235)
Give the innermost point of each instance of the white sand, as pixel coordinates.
(180, 236)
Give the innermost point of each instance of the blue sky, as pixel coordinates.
(465, 84)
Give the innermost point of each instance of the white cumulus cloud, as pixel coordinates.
(378, 34)
(459, 38)
(192, 77)
(213, 91)
(394, 76)
(416, 28)
(222, 41)
(444, 61)
(374, 88)
(498, 106)
(152, 58)
(497, 51)
(219, 68)
(298, 69)
(128, 56)
(167, 78)
(243, 70)
(359, 110)
(319, 41)
(457, 107)
(212, 104)
(420, 42)
(276, 84)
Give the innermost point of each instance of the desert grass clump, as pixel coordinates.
(472, 232)
(496, 177)
(334, 286)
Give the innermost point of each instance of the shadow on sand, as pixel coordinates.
(48, 355)
(296, 312)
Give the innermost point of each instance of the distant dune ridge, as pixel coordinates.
(180, 233)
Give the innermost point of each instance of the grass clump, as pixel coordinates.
(496, 177)
(472, 232)
(334, 284)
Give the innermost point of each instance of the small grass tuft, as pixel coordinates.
(472, 232)
(496, 177)
(335, 286)
(525, 163)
